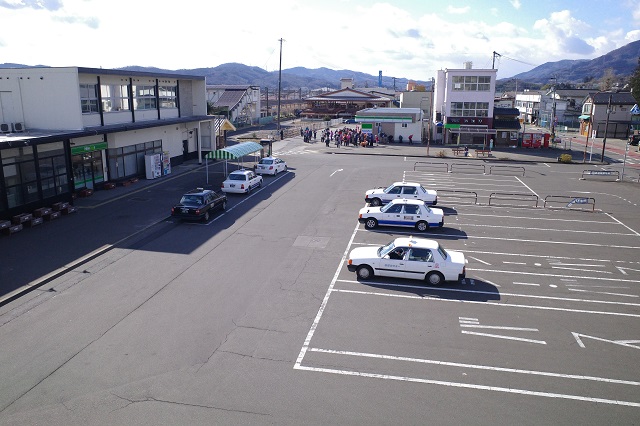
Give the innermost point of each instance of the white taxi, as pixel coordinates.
(402, 212)
(409, 190)
(271, 166)
(241, 181)
(413, 258)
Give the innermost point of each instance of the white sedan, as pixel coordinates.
(271, 166)
(413, 258)
(241, 181)
(409, 190)
(402, 212)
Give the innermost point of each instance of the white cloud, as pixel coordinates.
(516, 4)
(458, 10)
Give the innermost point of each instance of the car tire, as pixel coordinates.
(275, 172)
(364, 272)
(370, 223)
(285, 169)
(422, 226)
(206, 216)
(375, 202)
(434, 278)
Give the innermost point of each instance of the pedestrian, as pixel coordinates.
(281, 134)
(411, 139)
(314, 135)
(400, 139)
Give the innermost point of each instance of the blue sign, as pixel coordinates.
(635, 110)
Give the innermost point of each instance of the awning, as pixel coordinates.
(236, 151)
(226, 125)
(584, 117)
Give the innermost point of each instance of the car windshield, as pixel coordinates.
(266, 161)
(389, 188)
(194, 200)
(237, 176)
(384, 250)
(443, 252)
(386, 207)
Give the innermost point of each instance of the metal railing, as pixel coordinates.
(600, 173)
(450, 194)
(430, 165)
(569, 202)
(468, 167)
(509, 199)
(507, 169)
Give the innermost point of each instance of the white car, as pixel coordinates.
(409, 190)
(271, 166)
(413, 258)
(402, 212)
(241, 181)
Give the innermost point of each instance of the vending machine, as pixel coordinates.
(166, 163)
(153, 165)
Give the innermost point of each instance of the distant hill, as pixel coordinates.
(623, 61)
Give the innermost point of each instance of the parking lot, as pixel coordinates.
(551, 292)
(253, 317)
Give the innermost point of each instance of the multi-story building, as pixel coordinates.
(463, 106)
(607, 113)
(66, 129)
(240, 103)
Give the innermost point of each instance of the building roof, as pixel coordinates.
(506, 124)
(229, 98)
(348, 95)
(617, 98)
(505, 111)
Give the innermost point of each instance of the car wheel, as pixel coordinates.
(435, 278)
(370, 223)
(249, 189)
(206, 216)
(422, 226)
(364, 272)
(375, 202)
(275, 173)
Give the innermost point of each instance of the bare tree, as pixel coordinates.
(608, 80)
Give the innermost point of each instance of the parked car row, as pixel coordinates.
(405, 257)
(200, 203)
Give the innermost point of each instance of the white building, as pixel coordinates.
(65, 129)
(463, 105)
(394, 122)
(242, 103)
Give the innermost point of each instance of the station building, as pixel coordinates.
(67, 129)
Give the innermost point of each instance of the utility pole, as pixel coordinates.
(267, 89)
(553, 112)
(279, 84)
(493, 61)
(606, 128)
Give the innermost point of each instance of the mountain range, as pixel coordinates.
(622, 61)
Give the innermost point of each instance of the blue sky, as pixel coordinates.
(402, 38)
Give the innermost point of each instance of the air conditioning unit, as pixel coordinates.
(4, 128)
(18, 127)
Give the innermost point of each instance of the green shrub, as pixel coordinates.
(565, 158)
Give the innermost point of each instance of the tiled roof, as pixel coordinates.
(506, 124)
(230, 98)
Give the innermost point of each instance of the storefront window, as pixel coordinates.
(129, 161)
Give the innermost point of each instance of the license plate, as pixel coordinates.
(233, 185)
(185, 210)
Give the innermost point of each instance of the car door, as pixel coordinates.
(392, 215)
(419, 263)
(391, 266)
(410, 214)
(410, 192)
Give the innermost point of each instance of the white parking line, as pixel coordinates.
(477, 387)
(499, 336)
(506, 305)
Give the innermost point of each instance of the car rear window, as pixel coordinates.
(194, 200)
(266, 161)
(237, 177)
